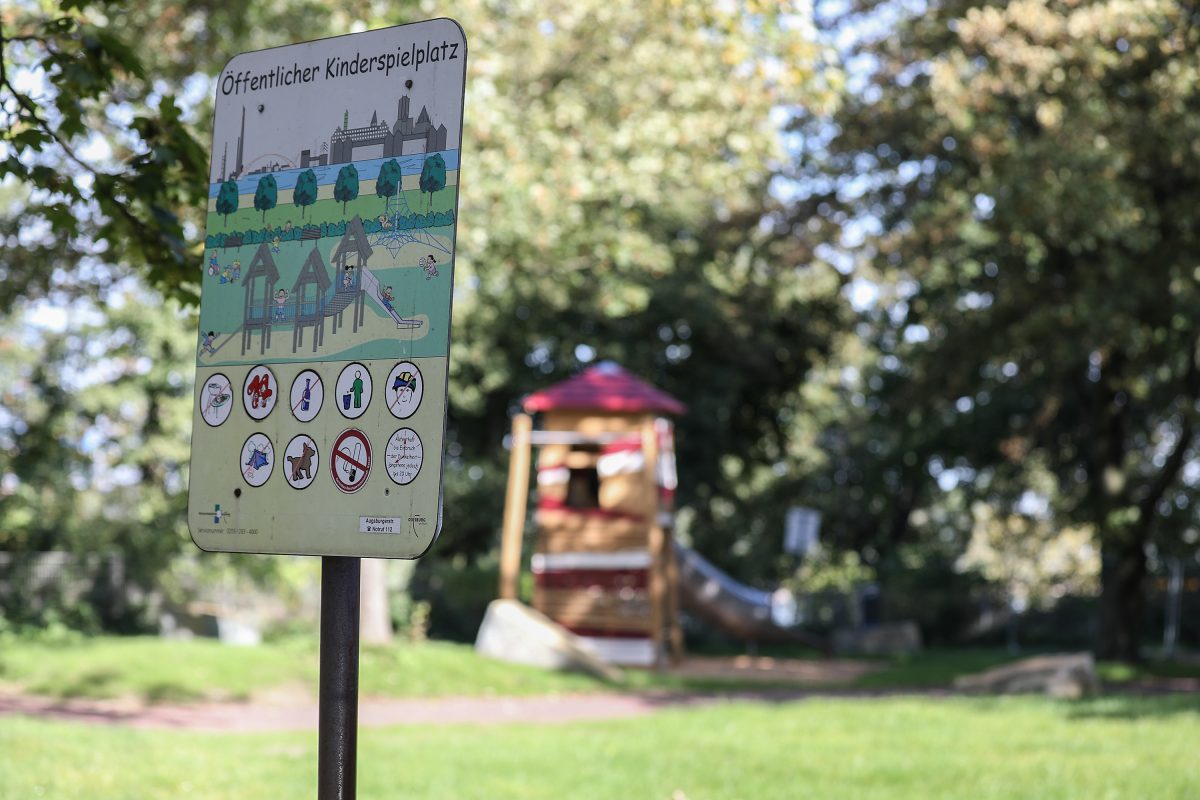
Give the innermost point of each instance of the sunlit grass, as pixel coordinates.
(893, 748)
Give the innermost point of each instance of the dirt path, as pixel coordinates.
(296, 710)
(376, 712)
(256, 716)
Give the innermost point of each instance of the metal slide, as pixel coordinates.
(370, 285)
(735, 608)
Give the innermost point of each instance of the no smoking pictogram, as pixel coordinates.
(350, 462)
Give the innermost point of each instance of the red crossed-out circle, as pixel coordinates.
(350, 461)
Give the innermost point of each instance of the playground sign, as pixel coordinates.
(326, 291)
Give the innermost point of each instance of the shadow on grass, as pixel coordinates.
(167, 692)
(101, 684)
(91, 684)
(1133, 707)
(934, 668)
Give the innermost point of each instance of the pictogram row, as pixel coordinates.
(349, 466)
(352, 393)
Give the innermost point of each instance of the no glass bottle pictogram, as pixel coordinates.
(307, 395)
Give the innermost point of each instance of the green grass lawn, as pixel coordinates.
(896, 748)
(159, 670)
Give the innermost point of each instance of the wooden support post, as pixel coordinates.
(674, 627)
(656, 541)
(674, 630)
(514, 506)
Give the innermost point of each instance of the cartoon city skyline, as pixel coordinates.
(340, 145)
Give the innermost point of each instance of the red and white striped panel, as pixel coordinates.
(592, 562)
(622, 457)
(624, 651)
(623, 574)
(553, 476)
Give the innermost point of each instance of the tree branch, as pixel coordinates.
(1170, 470)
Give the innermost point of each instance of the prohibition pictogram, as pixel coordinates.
(350, 462)
(216, 401)
(260, 392)
(308, 393)
(403, 390)
(258, 459)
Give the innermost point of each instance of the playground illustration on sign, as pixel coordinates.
(341, 256)
(326, 285)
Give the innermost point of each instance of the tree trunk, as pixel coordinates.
(1122, 599)
(375, 619)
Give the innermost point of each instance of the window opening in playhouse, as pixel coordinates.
(583, 488)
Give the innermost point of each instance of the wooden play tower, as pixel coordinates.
(603, 563)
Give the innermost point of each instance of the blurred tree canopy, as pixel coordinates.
(954, 306)
(616, 204)
(1025, 176)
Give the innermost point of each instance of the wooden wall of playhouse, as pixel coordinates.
(603, 564)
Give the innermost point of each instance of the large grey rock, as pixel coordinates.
(888, 639)
(1069, 675)
(514, 632)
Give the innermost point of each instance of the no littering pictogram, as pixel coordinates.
(350, 462)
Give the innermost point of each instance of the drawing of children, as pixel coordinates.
(384, 222)
(207, 343)
(237, 271)
(429, 264)
(213, 266)
(226, 276)
(275, 245)
(387, 297)
(281, 298)
(348, 277)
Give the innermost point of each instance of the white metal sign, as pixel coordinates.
(802, 530)
(326, 291)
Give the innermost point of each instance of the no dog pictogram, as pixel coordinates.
(350, 463)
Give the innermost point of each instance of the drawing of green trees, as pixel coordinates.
(305, 193)
(388, 182)
(433, 175)
(227, 199)
(346, 188)
(266, 195)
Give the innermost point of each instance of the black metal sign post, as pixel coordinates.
(337, 728)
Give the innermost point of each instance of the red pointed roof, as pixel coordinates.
(604, 387)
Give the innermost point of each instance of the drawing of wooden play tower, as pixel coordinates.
(352, 251)
(308, 298)
(259, 283)
(316, 295)
(604, 567)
